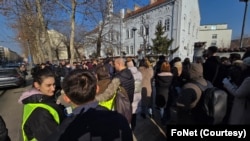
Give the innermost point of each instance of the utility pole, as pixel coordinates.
(243, 24)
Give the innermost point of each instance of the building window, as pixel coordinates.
(167, 24)
(127, 50)
(118, 51)
(111, 36)
(213, 27)
(117, 36)
(127, 34)
(214, 36)
(131, 49)
(189, 26)
(142, 30)
(193, 30)
(213, 43)
(160, 22)
(131, 33)
(141, 46)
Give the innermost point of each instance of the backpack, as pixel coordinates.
(212, 106)
(122, 104)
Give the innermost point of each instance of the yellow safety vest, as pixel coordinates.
(29, 108)
(109, 104)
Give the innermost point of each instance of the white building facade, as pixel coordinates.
(215, 35)
(134, 30)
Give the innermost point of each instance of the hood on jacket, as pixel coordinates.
(196, 73)
(109, 91)
(27, 94)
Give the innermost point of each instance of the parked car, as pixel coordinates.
(11, 77)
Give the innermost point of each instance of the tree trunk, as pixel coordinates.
(72, 34)
(44, 31)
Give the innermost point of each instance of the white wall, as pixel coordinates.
(223, 39)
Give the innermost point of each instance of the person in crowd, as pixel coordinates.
(63, 69)
(157, 67)
(217, 73)
(41, 114)
(163, 81)
(4, 136)
(108, 63)
(225, 61)
(42, 65)
(108, 88)
(232, 69)
(23, 71)
(84, 66)
(190, 95)
(136, 105)
(240, 113)
(147, 75)
(126, 77)
(89, 120)
(199, 59)
(234, 56)
(246, 54)
(74, 66)
(35, 68)
(177, 82)
(185, 67)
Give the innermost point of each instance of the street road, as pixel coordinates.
(11, 112)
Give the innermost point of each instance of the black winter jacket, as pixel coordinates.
(127, 82)
(91, 122)
(3, 131)
(41, 123)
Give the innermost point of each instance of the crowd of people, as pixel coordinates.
(72, 102)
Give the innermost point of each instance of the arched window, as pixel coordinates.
(160, 22)
(131, 33)
(127, 34)
(141, 30)
(131, 49)
(127, 49)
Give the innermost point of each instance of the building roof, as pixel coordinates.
(145, 8)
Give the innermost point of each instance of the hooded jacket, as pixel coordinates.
(189, 98)
(40, 123)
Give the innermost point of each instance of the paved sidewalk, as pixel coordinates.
(150, 129)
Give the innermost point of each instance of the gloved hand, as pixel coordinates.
(226, 81)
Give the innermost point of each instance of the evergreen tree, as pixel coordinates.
(161, 43)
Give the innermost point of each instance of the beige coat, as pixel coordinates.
(147, 75)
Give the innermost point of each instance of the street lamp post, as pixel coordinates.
(243, 24)
(134, 29)
(147, 38)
